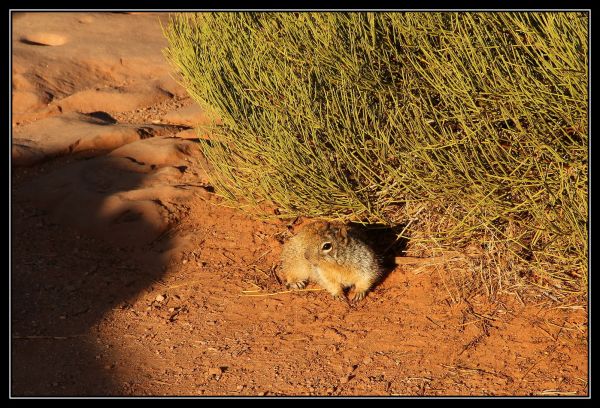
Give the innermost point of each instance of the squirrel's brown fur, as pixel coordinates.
(332, 256)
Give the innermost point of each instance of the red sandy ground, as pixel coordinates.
(128, 278)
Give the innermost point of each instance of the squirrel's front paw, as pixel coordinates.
(339, 296)
(358, 296)
(297, 285)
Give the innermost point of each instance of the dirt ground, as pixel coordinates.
(129, 279)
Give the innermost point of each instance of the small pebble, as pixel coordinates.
(86, 19)
(215, 372)
(159, 298)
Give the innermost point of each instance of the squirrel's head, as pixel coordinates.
(329, 241)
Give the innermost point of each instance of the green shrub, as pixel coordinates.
(469, 128)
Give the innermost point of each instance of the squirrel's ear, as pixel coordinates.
(320, 226)
(342, 233)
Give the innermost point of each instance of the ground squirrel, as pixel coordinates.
(332, 256)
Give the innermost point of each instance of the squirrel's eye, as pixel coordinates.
(326, 246)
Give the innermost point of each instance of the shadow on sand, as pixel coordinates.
(385, 243)
(64, 283)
